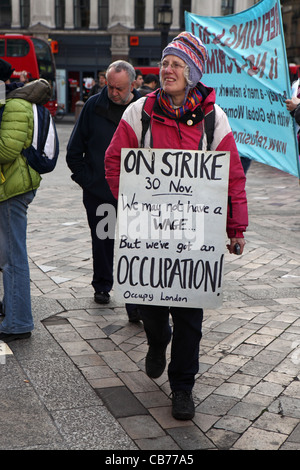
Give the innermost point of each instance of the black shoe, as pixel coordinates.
(102, 297)
(155, 362)
(134, 316)
(8, 337)
(183, 407)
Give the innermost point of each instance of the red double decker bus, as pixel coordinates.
(33, 55)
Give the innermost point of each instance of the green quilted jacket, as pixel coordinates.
(16, 176)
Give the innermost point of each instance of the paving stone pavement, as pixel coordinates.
(79, 381)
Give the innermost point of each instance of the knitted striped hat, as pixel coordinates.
(191, 50)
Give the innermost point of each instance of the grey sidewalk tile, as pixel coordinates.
(118, 361)
(138, 382)
(191, 438)
(157, 443)
(277, 423)
(256, 368)
(97, 372)
(121, 402)
(87, 360)
(204, 421)
(11, 374)
(295, 437)
(216, 405)
(76, 348)
(91, 332)
(152, 399)
(25, 422)
(222, 439)
(259, 439)
(92, 429)
(102, 345)
(233, 423)
(232, 390)
(269, 389)
(163, 415)
(141, 427)
(286, 406)
(293, 390)
(106, 382)
(59, 384)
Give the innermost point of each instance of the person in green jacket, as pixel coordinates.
(18, 185)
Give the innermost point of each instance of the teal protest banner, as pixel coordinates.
(248, 68)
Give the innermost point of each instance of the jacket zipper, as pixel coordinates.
(179, 130)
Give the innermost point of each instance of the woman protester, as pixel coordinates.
(176, 122)
(18, 185)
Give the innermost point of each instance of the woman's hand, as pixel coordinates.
(292, 103)
(236, 241)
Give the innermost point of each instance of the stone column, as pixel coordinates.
(69, 15)
(42, 12)
(176, 11)
(15, 13)
(93, 14)
(121, 12)
(119, 42)
(241, 5)
(149, 14)
(206, 7)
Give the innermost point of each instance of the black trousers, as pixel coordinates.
(187, 333)
(102, 249)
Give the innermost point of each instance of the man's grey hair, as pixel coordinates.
(120, 65)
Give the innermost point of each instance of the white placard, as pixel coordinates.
(171, 227)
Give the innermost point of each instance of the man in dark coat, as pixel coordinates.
(151, 82)
(90, 138)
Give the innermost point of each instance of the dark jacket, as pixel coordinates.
(297, 115)
(17, 123)
(89, 140)
(145, 90)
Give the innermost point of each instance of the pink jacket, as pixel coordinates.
(174, 134)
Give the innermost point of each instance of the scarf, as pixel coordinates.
(193, 98)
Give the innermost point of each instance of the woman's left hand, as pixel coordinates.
(236, 241)
(292, 103)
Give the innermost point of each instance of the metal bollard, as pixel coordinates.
(78, 108)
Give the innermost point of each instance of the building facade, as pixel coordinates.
(89, 34)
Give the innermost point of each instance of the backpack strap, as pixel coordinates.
(145, 123)
(44, 128)
(209, 124)
(146, 116)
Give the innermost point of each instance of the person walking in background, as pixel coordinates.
(24, 77)
(151, 82)
(99, 85)
(18, 185)
(297, 111)
(89, 140)
(176, 113)
(293, 106)
(139, 80)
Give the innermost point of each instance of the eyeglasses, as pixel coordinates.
(174, 66)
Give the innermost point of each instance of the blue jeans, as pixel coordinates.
(187, 333)
(14, 264)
